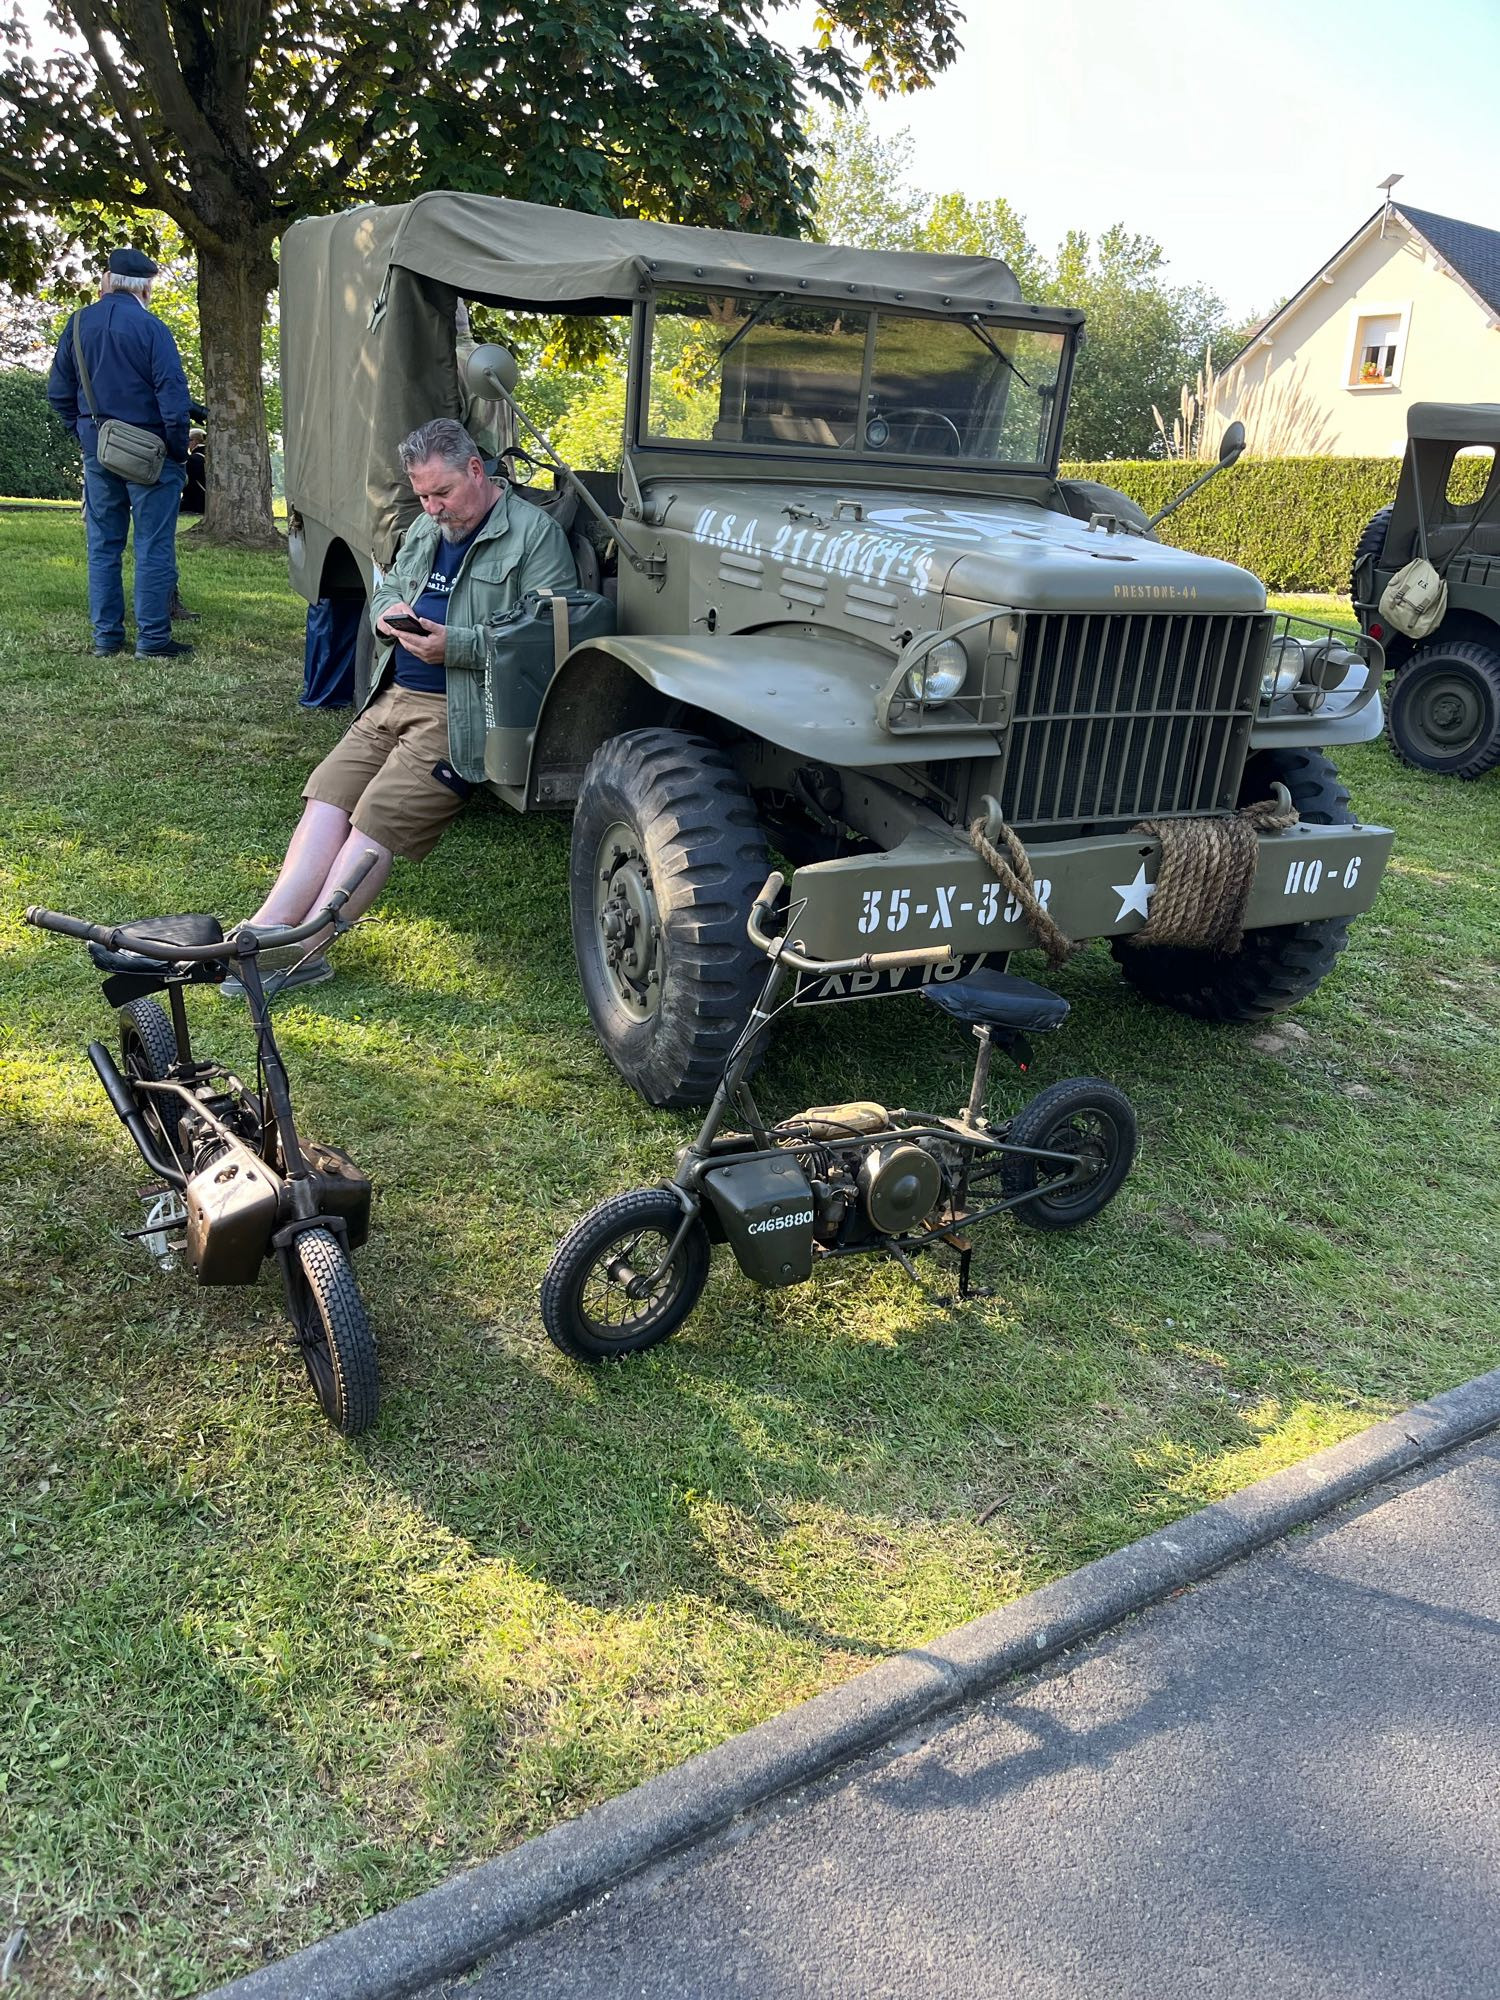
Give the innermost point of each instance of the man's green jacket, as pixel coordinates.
(519, 548)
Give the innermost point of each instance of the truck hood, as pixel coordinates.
(1007, 550)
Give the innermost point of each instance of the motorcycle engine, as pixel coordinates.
(899, 1184)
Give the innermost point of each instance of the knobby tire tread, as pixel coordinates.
(683, 793)
(330, 1281)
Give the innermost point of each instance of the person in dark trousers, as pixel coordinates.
(194, 496)
(134, 375)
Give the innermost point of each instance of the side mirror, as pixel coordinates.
(1230, 445)
(491, 370)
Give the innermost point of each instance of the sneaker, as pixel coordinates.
(174, 649)
(109, 652)
(277, 981)
(181, 614)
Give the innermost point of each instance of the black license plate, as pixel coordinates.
(827, 989)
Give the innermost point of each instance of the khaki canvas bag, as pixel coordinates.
(1415, 600)
(123, 449)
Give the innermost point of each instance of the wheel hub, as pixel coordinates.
(627, 925)
(1449, 713)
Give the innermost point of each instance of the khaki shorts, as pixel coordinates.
(390, 773)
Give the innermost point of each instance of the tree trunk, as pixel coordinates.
(232, 293)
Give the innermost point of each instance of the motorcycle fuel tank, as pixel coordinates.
(766, 1208)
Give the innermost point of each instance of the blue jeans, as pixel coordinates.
(110, 505)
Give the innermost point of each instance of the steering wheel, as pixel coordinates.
(919, 413)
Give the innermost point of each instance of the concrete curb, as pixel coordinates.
(451, 1929)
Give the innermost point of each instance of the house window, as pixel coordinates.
(1377, 348)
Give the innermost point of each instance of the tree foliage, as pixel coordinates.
(1144, 335)
(236, 117)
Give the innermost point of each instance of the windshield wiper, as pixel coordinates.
(981, 333)
(726, 347)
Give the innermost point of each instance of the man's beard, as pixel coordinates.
(451, 532)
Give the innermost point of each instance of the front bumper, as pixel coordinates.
(935, 890)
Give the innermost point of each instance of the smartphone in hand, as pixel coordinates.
(399, 621)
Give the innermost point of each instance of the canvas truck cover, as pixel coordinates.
(367, 317)
(1455, 423)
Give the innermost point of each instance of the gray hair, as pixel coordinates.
(441, 437)
(116, 281)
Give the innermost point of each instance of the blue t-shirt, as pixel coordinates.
(432, 602)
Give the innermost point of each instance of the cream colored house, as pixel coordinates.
(1408, 311)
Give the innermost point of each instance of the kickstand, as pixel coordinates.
(965, 1289)
(932, 1298)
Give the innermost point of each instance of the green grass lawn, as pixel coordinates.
(255, 1682)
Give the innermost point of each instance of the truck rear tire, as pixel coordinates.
(1273, 969)
(1444, 710)
(667, 856)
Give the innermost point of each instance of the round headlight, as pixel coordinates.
(1283, 668)
(940, 673)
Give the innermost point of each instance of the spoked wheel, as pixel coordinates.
(148, 1049)
(333, 1332)
(607, 1291)
(1086, 1117)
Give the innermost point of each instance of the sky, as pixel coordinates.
(1247, 136)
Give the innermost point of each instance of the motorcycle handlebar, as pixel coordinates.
(174, 954)
(870, 961)
(50, 920)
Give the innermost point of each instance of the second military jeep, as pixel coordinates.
(1444, 712)
(858, 612)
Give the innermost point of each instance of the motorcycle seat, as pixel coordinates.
(1000, 1000)
(161, 930)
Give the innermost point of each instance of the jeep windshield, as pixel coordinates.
(790, 374)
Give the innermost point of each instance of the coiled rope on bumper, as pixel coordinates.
(1014, 872)
(1203, 881)
(1205, 875)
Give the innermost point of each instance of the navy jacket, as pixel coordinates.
(134, 368)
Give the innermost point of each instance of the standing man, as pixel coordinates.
(401, 773)
(134, 375)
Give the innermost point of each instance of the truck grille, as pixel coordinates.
(1125, 718)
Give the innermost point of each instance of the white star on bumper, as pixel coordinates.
(1134, 895)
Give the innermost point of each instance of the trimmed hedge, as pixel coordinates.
(1293, 521)
(39, 458)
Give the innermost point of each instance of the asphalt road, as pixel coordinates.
(1280, 1783)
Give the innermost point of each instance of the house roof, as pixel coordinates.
(1471, 252)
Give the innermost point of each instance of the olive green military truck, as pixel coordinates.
(1444, 710)
(858, 612)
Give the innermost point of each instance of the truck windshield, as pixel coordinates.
(786, 372)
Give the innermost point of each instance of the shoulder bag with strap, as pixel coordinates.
(123, 449)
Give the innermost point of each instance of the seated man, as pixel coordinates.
(415, 751)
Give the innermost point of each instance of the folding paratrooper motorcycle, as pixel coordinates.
(234, 1180)
(840, 1180)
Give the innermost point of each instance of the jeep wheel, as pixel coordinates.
(1444, 712)
(667, 857)
(1273, 969)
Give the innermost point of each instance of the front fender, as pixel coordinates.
(815, 698)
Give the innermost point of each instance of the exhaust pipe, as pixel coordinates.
(119, 1093)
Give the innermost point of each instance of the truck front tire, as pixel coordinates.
(1273, 969)
(667, 857)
